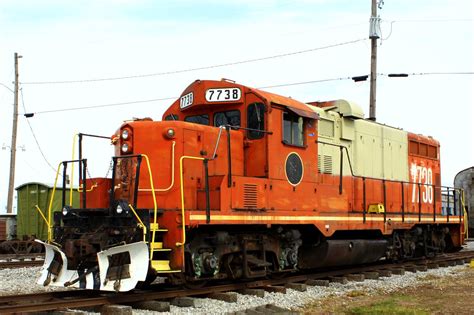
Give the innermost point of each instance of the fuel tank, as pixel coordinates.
(332, 253)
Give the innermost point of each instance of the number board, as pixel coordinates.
(186, 100)
(223, 95)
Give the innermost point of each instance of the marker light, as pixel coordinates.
(65, 211)
(125, 134)
(119, 209)
(125, 148)
(170, 133)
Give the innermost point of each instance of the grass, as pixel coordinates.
(356, 293)
(428, 277)
(390, 306)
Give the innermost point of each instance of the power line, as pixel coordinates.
(197, 68)
(430, 73)
(354, 78)
(421, 21)
(304, 82)
(34, 136)
(104, 105)
(431, 20)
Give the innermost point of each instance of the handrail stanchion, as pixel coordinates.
(140, 222)
(64, 184)
(137, 180)
(448, 207)
(208, 203)
(419, 202)
(45, 221)
(229, 157)
(50, 237)
(403, 201)
(155, 207)
(434, 201)
(340, 170)
(84, 169)
(384, 201)
(363, 199)
(181, 177)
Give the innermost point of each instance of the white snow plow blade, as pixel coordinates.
(132, 269)
(120, 269)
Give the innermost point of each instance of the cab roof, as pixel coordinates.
(195, 93)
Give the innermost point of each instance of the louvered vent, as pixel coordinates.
(319, 164)
(250, 196)
(327, 164)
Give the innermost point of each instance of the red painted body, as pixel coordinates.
(260, 193)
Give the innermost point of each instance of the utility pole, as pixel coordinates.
(374, 34)
(11, 182)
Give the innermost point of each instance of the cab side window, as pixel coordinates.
(198, 119)
(231, 117)
(255, 120)
(171, 117)
(293, 129)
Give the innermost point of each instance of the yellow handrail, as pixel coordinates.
(51, 203)
(79, 189)
(154, 203)
(183, 219)
(172, 174)
(46, 221)
(141, 222)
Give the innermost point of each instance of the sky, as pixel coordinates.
(157, 44)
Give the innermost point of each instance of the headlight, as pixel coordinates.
(125, 134)
(125, 148)
(119, 209)
(65, 210)
(170, 133)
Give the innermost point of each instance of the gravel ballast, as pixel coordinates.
(23, 280)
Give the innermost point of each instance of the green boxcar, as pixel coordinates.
(29, 221)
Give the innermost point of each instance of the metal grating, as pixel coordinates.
(319, 164)
(327, 164)
(250, 196)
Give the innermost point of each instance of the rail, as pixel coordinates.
(48, 301)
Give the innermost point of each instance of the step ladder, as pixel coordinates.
(160, 257)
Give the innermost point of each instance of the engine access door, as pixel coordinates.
(255, 143)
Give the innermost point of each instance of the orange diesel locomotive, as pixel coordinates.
(236, 182)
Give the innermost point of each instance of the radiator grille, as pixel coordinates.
(250, 196)
(327, 164)
(320, 167)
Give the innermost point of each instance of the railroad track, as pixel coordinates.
(86, 298)
(21, 260)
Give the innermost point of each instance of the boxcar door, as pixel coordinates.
(255, 144)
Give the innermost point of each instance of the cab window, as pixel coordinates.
(292, 129)
(198, 119)
(231, 117)
(171, 117)
(255, 120)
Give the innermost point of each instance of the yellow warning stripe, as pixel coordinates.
(359, 218)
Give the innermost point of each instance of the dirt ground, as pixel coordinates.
(433, 295)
